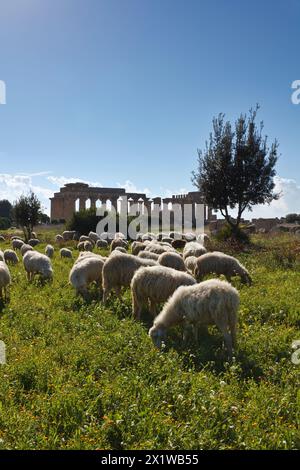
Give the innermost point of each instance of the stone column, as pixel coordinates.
(93, 202)
(82, 203)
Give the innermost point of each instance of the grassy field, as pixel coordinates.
(81, 376)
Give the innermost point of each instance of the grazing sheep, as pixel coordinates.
(36, 263)
(148, 236)
(33, 235)
(193, 249)
(33, 242)
(49, 251)
(88, 246)
(148, 255)
(176, 235)
(190, 263)
(86, 271)
(161, 235)
(59, 238)
(219, 263)
(118, 242)
(11, 256)
(172, 260)
(189, 237)
(68, 235)
(65, 253)
(94, 237)
(101, 244)
(212, 302)
(155, 285)
(84, 238)
(17, 244)
(1, 256)
(178, 244)
(204, 239)
(136, 247)
(25, 248)
(158, 249)
(89, 254)
(16, 237)
(80, 246)
(120, 249)
(167, 240)
(118, 271)
(5, 280)
(2, 239)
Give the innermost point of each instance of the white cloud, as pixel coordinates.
(60, 181)
(130, 187)
(13, 186)
(287, 203)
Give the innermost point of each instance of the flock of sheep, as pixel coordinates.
(155, 272)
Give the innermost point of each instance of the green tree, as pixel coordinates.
(5, 209)
(27, 212)
(236, 169)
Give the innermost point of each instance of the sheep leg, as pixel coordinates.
(105, 295)
(136, 309)
(227, 339)
(153, 310)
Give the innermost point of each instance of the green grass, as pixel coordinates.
(81, 376)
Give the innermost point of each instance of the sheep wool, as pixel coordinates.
(119, 270)
(5, 280)
(172, 260)
(156, 284)
(36, 263)
(219, 263)
(193, 249)
(85, 271)
(212, 302)
(11, 256)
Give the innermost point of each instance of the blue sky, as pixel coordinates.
(122, 92)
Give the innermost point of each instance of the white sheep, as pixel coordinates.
(36, 263)
(172, 260)
(88, 254)
(88, 246)
(84, 238)
(25, 248)
(158, 249)
(219, 263)
(33, 242)
(68, 235)
(59, 238)
(65, 253)
(156, 284)
(11, 256)
(94, 236)
(136, 247)
(5, 280)
(212, 302)
(205, 240)
(101, 244)
(17, 244)
(193, 249)
(190, 263)
(80, 246)
(120, 249)
(86, 271)
(49, 251)
(120, 235)
(148, 255)
(118, 242)
(119, 270)
(189, 237)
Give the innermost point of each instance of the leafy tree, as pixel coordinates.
(27, 211)
(293, 218)
(5, 223)
(5, 209)
(236, 169)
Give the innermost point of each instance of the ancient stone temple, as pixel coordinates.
(78, 196)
